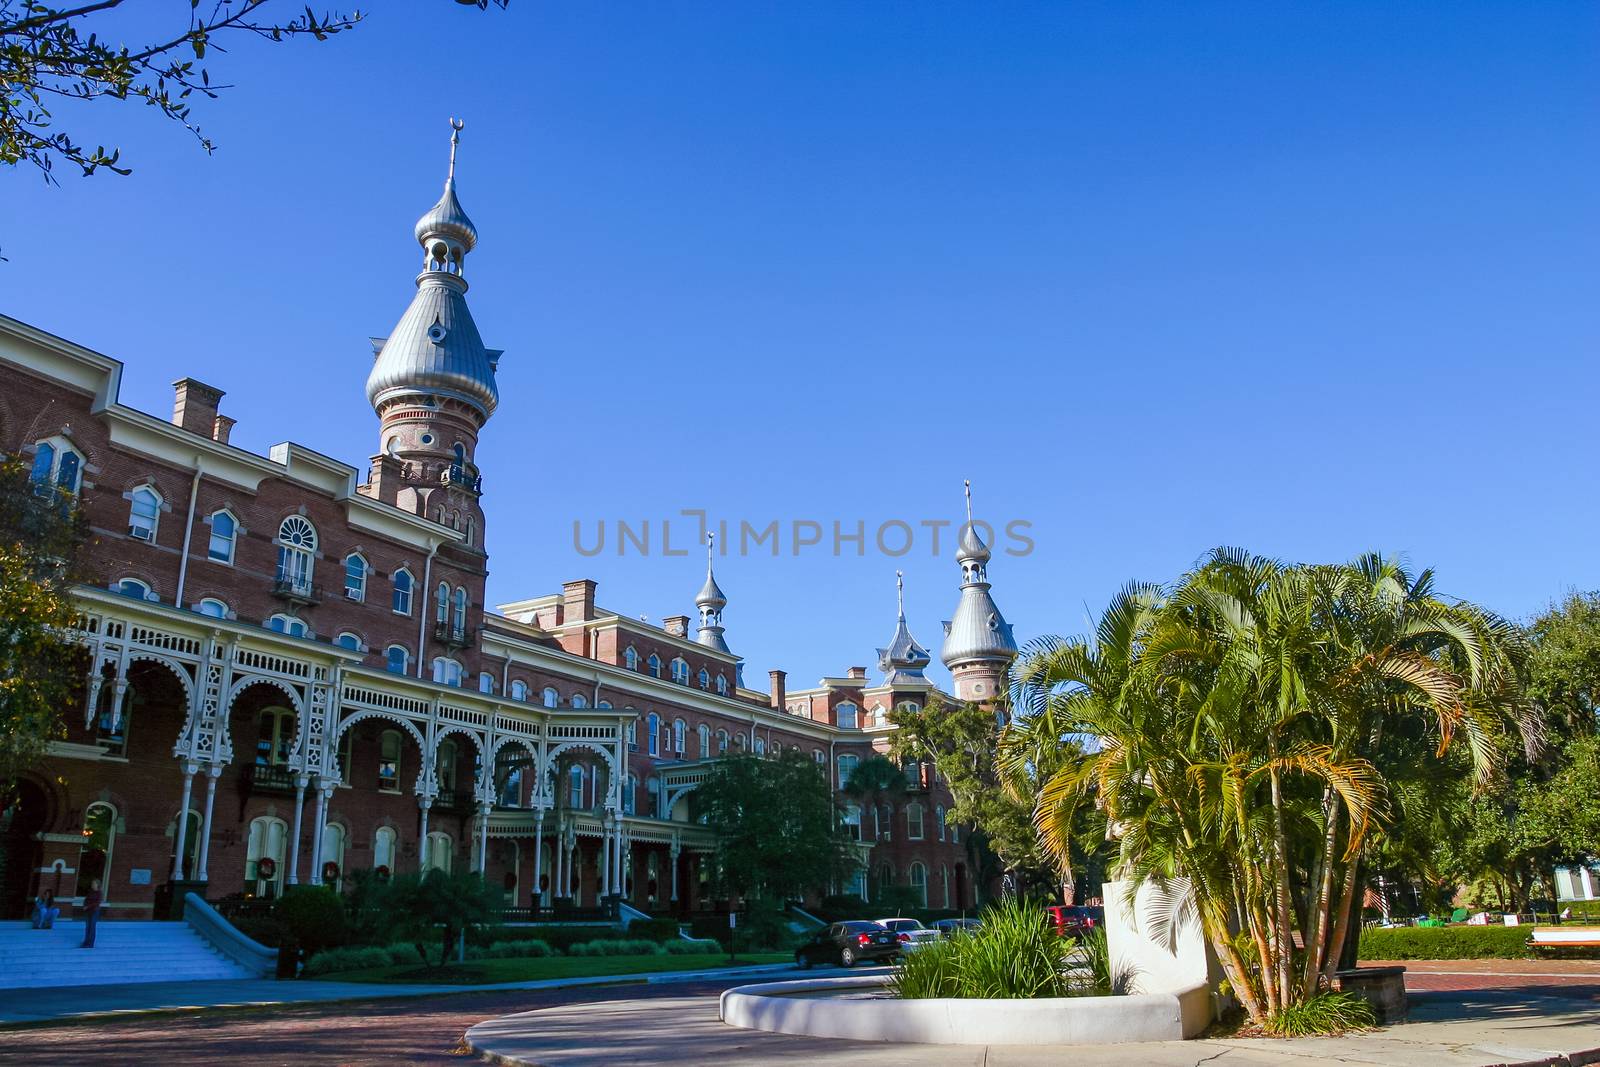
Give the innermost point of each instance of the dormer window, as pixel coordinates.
(680, 671)
(845, 714)
(722, 686)
(144, 513)
(705, 678)
(654, 665)
(630, 658)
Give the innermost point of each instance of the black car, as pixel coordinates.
(848, 943)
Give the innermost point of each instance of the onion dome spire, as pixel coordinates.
(711, 600)
(904, 659)
(978, 645)
(435, 350)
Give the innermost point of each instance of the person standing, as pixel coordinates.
(91, 913)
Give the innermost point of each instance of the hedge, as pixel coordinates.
(1445, 943)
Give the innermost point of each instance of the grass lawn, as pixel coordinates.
(482, 972)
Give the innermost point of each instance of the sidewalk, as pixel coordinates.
(70, 1003)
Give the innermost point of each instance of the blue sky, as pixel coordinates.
(1312, 279)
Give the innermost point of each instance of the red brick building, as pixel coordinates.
(294, 674)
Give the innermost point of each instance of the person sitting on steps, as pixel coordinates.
(45, 911)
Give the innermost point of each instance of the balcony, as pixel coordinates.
(260, 779)
(452, 636)
(464, 477)
(458, 801)
(297, 589)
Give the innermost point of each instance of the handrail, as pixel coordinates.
(226, 938)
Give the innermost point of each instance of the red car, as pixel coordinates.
(1068, 919)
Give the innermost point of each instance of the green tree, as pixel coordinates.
(1564, 665)
(1244, 731)
(64, 53)
(41, 533)
(777, 826)
(437, 906)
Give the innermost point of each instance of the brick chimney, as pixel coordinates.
(222, 429)
(856, 672)
(194, 406)
(779, 693)
(383, 479)
(676, 625)
(577, 600)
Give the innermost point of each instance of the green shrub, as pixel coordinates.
(895, 900)
(1015, 954)
(1325, 1013)
(346, 959)
(520, 949)
(312, 917)
(655, 929)
(681, 947)
(1444, 943)
(930, 971)
(262, 929)
(616, 947)
(559, 938)
(401, 954)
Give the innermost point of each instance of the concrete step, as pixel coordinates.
(124, 952)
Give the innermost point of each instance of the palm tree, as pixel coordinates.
(1242, 726)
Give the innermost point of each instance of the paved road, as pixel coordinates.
(1540, 1004)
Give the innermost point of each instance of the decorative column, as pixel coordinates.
(423, 803)
(558, 847)
(189, 769)
(538, 850)
(300, 781)
(675, 851)
(321, 822)
(213, 772)
(483, 838)
(603, 855)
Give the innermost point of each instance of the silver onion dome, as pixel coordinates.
(711, 600)
(447, 219)
(978, 633)
(903, 659)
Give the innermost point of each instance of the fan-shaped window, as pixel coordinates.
(297, 548)
(396, 658)
(212, 607)
(402, 592)
(355, 577)
(224, 534)
(144, 513)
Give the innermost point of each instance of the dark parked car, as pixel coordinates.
(1070, 920)
(848, 943)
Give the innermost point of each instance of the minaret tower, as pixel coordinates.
(978, 646)
(433, 382)
(903, 661)
(711, 601)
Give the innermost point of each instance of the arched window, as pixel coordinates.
(287, 625)
(355, 577)
(485, 682)
(551, 698)
(458, 619)
(458, 463)
(56, 466)
(777, 749)
(133, 587)
(212, 607)
(99, 837)
(722, 686)
(705, 679)
(519, 690)
(144, 513)
(604, 704)
(439, 852)
(846, 713)
(680, 670)
(224, 534)
(630, 658)
(401, 604)
(761, 746)
(704, 733)
(511, 787)
(333, 840)
(274, 734)
(384, 840)
(652, 739)
(851, 819)
(446, 671)
(441, 603)
(722, 742)
(847, 767)
(919, 883)
(348, 640)
(578, 701)
(938, 819)
(268, 836)
(575, 786)
(444, 767)
(739, 741)
(297, 548)
(679, 730)
(630, 789)
(914, 821)
(653, 664)
(389, 746)
(396, 659)
(886, 818)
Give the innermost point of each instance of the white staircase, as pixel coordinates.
(130, 951)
